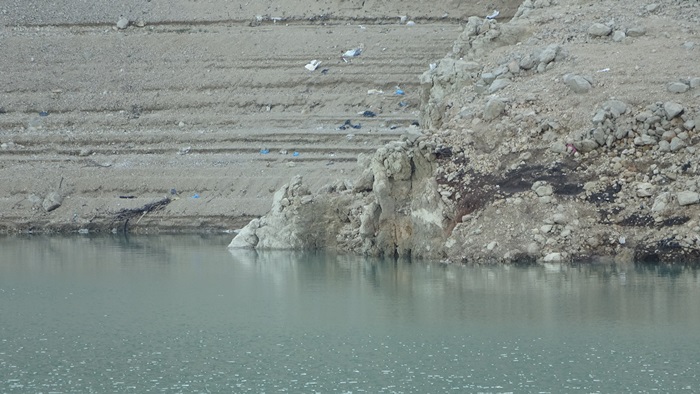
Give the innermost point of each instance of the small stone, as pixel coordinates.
(651, 7)
(84, 152)
(491, 245)
(498, 85)
(553, 258)
(586, 145)
(677, 144)
(694, 82)
(616, 107)
(494, 108)
(599, 30)
(52, 201)
(618, 35)
(677, 87)
(527, 62)
(488, 77)
(637, 31)
(549, 53)
(672, 109)
(599, 117)
(544, 190)
(122, 23)
(545, 228)
(577, 83)
(688, 45)
(660, 202)
(687, 198)
(645, 189)
(560, 218)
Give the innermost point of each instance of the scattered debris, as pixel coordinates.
(368, 114)
(349, 124)
(313, 65)
(493, 15)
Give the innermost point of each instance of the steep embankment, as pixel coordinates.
(568, 133)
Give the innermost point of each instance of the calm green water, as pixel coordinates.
(183, 314)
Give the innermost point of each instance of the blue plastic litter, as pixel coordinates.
(402, 103)
(295, 154)
(369, 114)
(195, 195)
(44, 113)
(399, 92)
(264, 151)
(348, 124)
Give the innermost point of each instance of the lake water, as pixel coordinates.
(183, 314)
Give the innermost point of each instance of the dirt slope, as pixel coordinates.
(177, 107)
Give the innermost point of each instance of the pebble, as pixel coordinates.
(494, 108)
(599, 30)
(637, 31)
(687, 198)
(498, 85)
(553, 258)
(618, 35)
(122, 23)
(645, 189)
(549, 53)
(577, 83)
(52, 201)
(677, 87)
(652, 7)
(672, 109)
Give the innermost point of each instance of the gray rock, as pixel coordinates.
(599, 117)
(688, 45)
(644, 139)
(661, 202)
(549, 53)
(672, 109)
(599, 30)
(694, 82)
(645, 189)
(677, 144)
(122, 23)
(664, 146)
(651, 7)
(498, 85)
(616, 107)
(52, 201)
(586, 145)
(677, 87)
(689, 124)
(687, 198)
(488, 77)
(636, 31)
(560, 218)
(527, 63)
(577, 83)
(542, 189)
(618, 35)
(494, 108)
(555, 257)
(599, 136)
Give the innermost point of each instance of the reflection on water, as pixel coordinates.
(184, 314)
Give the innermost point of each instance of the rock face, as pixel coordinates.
(394, 209)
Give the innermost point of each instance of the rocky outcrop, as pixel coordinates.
(392, 209)
(527, 158)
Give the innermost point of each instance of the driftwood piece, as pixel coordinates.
(127, 213)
